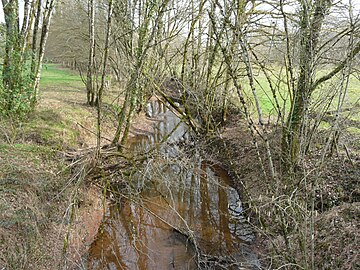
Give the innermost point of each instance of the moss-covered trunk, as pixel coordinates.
(311, 20)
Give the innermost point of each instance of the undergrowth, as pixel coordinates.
(34, 175)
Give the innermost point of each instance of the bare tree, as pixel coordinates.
(91, 69)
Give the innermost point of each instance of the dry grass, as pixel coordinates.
(30, 204)
(35, 181)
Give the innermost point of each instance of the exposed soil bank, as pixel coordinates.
(87, 219)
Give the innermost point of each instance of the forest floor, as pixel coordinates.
(40, 197)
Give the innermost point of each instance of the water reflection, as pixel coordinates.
(177, 194)
(168, 128)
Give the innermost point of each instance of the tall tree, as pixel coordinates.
(312, 16)
(90, 86)
(20, 84)
(103, 74)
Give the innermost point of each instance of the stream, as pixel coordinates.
(182, 212)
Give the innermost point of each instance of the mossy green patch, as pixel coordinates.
(324, 125)
(44, 129)
(51, 129)
(354, 130)
(25, 149)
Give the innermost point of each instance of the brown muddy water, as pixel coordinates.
(182, 212)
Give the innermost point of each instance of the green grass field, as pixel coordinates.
(56, 76)
(324, 92)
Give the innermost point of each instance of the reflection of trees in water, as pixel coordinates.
(195, 198)
(178, 193)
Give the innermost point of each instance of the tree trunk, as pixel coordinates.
(90, 88)
(49, 8)
(35, 36)
(310, 27)
(105, 60)
(12, 47)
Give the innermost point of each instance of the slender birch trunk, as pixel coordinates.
(90, 87)
(103, 75)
